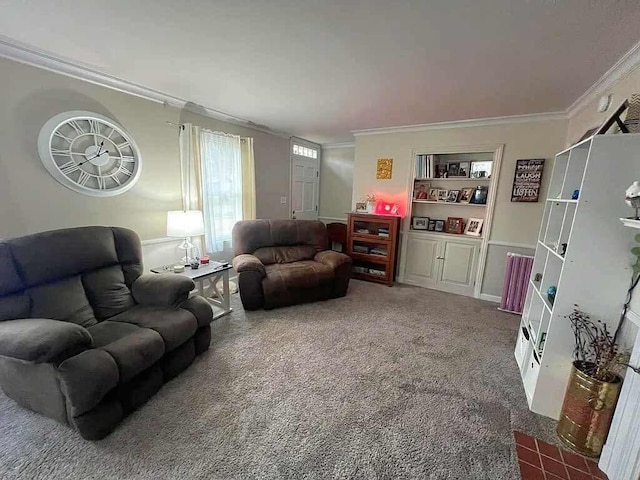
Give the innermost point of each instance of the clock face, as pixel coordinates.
(89, 153)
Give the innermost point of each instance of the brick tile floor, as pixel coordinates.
(539, 460)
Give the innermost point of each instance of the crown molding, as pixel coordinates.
(479, 122)
(330, 146)
(28, 55)
(625, 65)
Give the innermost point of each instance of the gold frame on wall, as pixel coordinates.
(384, 168)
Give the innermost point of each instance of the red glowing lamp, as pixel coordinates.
(385, 207)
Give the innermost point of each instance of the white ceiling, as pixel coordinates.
(319, 69)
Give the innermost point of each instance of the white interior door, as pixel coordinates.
(305, 179)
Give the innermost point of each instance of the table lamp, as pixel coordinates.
(185, 224)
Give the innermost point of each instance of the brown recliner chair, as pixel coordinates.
(286, 262)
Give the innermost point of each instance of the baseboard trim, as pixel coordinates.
(490, 298)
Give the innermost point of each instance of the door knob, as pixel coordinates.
(439, 258)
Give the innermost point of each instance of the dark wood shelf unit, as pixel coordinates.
(374, 223)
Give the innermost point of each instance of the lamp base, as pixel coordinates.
(187, 246)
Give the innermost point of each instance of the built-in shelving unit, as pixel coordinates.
(582, 251)
(447, 259)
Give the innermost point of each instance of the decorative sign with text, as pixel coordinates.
(527, 180)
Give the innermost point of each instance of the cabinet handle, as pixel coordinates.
(439, 258)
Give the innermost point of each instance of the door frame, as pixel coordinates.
(315, 146)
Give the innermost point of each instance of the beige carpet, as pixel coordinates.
(395, 382)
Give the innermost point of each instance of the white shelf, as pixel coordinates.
(545, 302)
(594, 271)
(551, 250)
(630, 222)
(451, 203)
(444, 234)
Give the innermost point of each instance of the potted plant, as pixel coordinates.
(594, 385)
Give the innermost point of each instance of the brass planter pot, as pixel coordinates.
(586, 412)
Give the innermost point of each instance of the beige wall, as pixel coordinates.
(31, 200)
(336, 182)
(589, 117)
(513, 222)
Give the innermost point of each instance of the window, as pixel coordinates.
(305, 151)
(221, 162)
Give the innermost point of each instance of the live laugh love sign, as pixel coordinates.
(527, 180)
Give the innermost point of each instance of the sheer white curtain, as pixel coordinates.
(218, 177)
(221, 166)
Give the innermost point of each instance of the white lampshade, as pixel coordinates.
(182, 224)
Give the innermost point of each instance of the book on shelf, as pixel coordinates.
(425, 166)
(381, 251)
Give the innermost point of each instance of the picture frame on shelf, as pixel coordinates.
(431, 225)
(474, 227)
(452, 169)
(464, 170)
(433, 195)
(452, 196)
(420, 223)
(421, 190)
(480, 195)
(441, 170)
(466, 194)
(455, 225)
(443, 195)
(439, 226)
(481, 169)
(361, 207)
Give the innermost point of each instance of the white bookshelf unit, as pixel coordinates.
(444, 260)
(593, 271)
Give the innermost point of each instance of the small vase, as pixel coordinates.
(371, 207)
(587, 411)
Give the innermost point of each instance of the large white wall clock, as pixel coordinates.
(89, 153)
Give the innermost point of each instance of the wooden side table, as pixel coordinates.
(372, 244)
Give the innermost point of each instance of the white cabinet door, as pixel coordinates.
(421, 266)
(457, 273)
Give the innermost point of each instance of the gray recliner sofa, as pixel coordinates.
(85, 338)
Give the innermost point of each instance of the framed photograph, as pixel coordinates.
(433, 195)
(441, 170)
(421, 190)
(466, 194)
(481, 169)
(439, 226)
(361, 207)
(453, 195)
(443, 195)
(432, 225)
(452, 169)
(474, 227)
(455, 225)
(420, 223)
(465, 169)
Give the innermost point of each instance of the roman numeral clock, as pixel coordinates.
(89, 153)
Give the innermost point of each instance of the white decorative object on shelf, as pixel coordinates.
(582, 251)
(632, 197)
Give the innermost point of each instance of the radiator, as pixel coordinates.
(516, 281)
